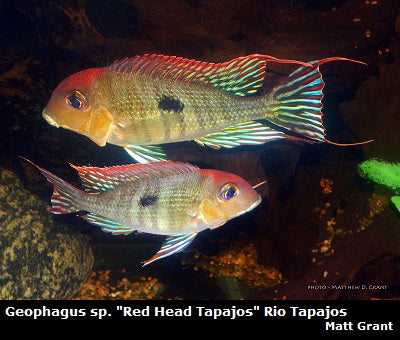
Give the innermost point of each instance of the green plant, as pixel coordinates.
(384, 173)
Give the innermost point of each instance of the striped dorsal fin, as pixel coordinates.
(241, 76)
(96, 179)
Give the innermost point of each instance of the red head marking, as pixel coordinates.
(81, 80)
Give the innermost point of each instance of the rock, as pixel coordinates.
(37, 259)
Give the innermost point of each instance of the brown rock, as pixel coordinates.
(39, 259)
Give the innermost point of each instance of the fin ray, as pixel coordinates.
(146, 154)
(63, 200)
(297, 102)
(241, 76)
(96, 179)
(172, 245)
(293, 114)
(108, 225)
(248, 133)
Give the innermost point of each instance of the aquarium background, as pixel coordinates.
(321, 228)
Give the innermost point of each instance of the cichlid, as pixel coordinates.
(140, 102)
(165, 198)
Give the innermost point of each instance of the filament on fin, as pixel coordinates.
(261, 183)
(327, 60)
(348, 144)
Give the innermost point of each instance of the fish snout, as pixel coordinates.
(255, 203)
(48, 119)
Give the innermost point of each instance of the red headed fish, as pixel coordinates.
(141, 102)
(174, 199)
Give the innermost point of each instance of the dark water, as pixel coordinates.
(320, 224)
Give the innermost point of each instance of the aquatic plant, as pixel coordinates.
(396, 201)
(384, 173)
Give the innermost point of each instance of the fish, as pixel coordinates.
(177, 200)
(142, 102)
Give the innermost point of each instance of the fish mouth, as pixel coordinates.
(48, 119)
(255, 204)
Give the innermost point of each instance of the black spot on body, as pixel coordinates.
(170, 104)
(148, 200)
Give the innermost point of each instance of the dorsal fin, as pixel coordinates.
(96, 179)
(241, 76)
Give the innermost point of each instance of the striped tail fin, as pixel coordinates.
(296, 103)
(63, 200)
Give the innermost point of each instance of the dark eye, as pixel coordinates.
(76, 100)
(228, 191)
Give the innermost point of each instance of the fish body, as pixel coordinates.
(141, 102)
(165, 198)
(164, 111)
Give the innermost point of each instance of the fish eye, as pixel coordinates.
(77, 100)
(228, 191)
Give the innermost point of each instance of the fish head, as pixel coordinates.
(75, 105)
(227, 196)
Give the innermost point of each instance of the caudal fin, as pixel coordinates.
(296, 103)
(63, 200)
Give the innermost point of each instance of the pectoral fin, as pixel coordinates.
(172, 245)
(145, 154)
(248, 133)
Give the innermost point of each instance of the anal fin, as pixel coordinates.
(146, 154)
(172, 245)
(248, 133)
(107, 225)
